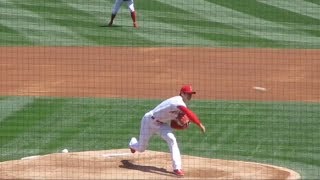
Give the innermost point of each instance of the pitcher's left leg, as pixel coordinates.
(169, 137)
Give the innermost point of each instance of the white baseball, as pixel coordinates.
(260, 88)
(65, 151)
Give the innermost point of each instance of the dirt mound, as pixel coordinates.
(121, 164)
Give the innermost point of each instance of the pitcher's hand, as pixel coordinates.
(203, 129)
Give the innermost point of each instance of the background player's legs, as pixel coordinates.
(115, 10)
(133, 17)
(133, 13)
(169, 137)
(111, 20)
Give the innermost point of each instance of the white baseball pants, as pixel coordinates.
(149, 127)
(118, 3)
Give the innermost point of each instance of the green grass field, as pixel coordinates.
(225, 23)
(284, 134)
(278, 133)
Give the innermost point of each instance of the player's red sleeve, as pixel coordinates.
(191, 115)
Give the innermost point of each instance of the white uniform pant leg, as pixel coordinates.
(130, 5)
(169, 137)
(116, 6)
(146, 132)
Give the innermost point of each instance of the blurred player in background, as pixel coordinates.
(116, 8)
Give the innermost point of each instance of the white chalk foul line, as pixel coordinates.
(116, 155)
(30, 157)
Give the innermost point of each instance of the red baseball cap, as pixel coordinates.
(187, 89)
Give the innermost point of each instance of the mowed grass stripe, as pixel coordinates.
(59, 18)
(10, 105)
(72, 121)
(164, 31)
(264, 28)
(10, 24)
(175, 27)
(304, 8)
(251, 30)
(34, 27)
(163, 19)
(30, 127)
(264, 11)
(10, 36)
(300, 7)
(313, 1)
(224, 25)
(169, 35)
(25, 118)
(271, 132)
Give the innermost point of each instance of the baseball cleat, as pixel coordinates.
(178, 172)
(135, 25)
(132, 141)
(132, 150)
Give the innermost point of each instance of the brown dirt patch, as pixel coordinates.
(288, 75)
(216, 73)
(121, 164)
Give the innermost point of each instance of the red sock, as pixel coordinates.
(133, 16)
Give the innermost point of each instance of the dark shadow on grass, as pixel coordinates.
(151, 169)
(115, 26)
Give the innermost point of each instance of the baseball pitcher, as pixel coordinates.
(170, 114)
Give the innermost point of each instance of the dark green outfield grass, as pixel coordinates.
(213, 23)
(285, 134)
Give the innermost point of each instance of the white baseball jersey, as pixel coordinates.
(167, 110)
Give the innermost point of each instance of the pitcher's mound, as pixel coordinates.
(121, 164)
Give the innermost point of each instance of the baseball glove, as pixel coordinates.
(182, 122)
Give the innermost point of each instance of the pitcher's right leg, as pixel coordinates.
(145, 134)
